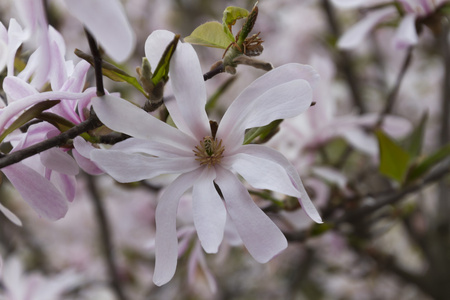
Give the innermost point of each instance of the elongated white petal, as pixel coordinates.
(406, 34)
(107, 21)
(189, 89)
(59, 161)
(262, 173)
(348, 3)
(130, 167)
(166, 243)
(271, 96)
(10, 216)
(155, 45)
(3, 54)
(208, 211)
(275, 156)
(15, 38)
(37, 191)
(262, 238)
(135, 145)
(122, 116)
(354, 36)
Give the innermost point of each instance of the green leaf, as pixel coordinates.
(112, 72)
(261, 132)
(162, 70)
(28, 115)
(394, 160)
(210, 34)
(230, 15)
(413, 143)
(427, 163)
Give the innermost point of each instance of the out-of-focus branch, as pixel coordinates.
(344, 61)
(392, 96)
(105, 238)
(358, 214)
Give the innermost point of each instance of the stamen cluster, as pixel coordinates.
(209, 151)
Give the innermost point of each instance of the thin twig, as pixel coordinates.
(97, 63)
(105, 237)
(213, 72)
(344, 61)
(59, 140)
(392, 96)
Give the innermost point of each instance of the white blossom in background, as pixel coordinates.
(206, 158)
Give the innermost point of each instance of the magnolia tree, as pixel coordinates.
(181, 179)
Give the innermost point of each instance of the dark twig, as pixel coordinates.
(105, 237)
(344, 60)
(59, 140)
(392, 96)
(214, 71)
(97, 63)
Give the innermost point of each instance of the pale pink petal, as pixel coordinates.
(10, 216)
(122, 116)
(360, 139)
(348, 3)
(16, 88)
(281, 93)
(166, 243)
(208, 211)
(16, 107)
(75, 83)
(354, 36)
(130, 167)
(262, 173)
(59, 161)
(86, 164)
(16, 36)
(331, 175)
(39, 192)
(107, 22)
(3, 55)
(406, 34)
(275, 156)
(58, 72)
(67, 184)
(262, 238)
(189, 89)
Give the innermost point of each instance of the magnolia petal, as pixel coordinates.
(277, 157)
(16, 107)
(406, 34)
(16, 36)
(122, 116)
(39, 192)
(59, 161)
(354, 36)
(189, 89)
(156, 44)
(166, 243)
(266, 94)
(262, 238)
(135, 145)
(107, 21)
(262, 173)
(86, 164)
(208, 211)
(348, 3)
(10, 216)
(16, 88)
(3, 54)
(130, 167)
(360, 139)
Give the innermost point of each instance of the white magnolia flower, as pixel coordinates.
(208, 159)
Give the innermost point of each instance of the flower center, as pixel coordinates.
(209, 151)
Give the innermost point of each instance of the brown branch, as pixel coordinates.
(105, 238)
